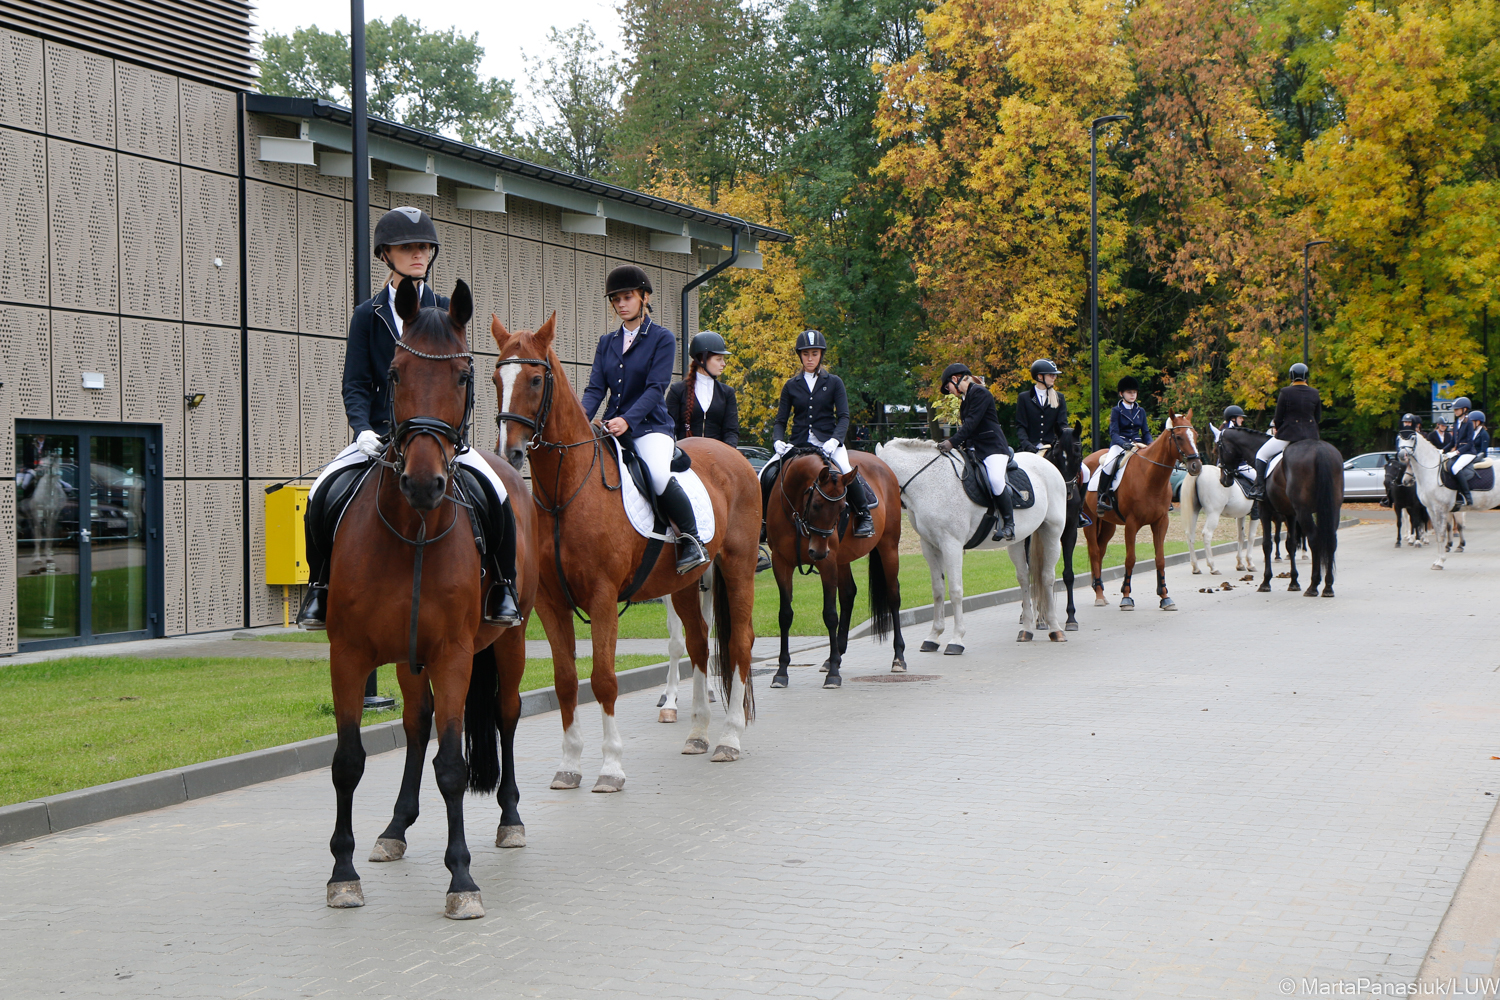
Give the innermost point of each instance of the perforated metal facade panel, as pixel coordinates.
(308, 179)
(274, 414)
(150, 238)
(552, 227)
(8, 564)
(208, 127)
(174, 552)
(525, 285)
(620, 243)
(210, 248)
(22, 96)
(23, 202)
(445, 205)
(589, 243)
(320, 372)
(558, 282)
(261, 170)
(489, 254)
(215, 559)
(212, 366)
(271, 235)
(453, 260)
(151, 389)
(82, 342)
(486, 405)
(323, 278)
(594, 314)
(84, 228)
(525, 217)
(80, 95)
(148, 118)
(26, 360)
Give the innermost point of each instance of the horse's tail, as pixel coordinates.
(1190, 506)
(723, 629)
(482, 723)
(1328, 479)
(882, 608)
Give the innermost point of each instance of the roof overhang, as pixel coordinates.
(407, 148)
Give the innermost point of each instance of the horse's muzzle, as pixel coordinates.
(515, 455)
(423, 492)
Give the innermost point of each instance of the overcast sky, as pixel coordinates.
(504, 28)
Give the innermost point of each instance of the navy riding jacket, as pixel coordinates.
(635, 380)
(980, 428)
(1463, 440)
(824, 410)
(367, 358)
(1128, 426)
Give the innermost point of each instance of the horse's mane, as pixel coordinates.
(434, 329)
(912, 444)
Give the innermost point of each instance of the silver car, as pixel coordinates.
(1364, 475)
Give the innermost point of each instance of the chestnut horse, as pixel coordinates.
(406, 539)
(803, 527)
(1144, 498)
(589, 554)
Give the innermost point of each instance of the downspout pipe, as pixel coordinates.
(734, 255)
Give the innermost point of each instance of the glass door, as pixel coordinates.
(88, 533)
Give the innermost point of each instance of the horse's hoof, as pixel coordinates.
(1310, 591)
(510, 836)
(928, 646)
(1100, 602)
(345, 895)
(1293, 587)
(1197, 571)
(712, 698)
(1437, 565)
(1071, 627)
(953, 649)
(566, 779)
(463, 906)
(1127, 604)
(386, 849)
(898, 665)
(780, 680)
(695, 745)
(725, 755)
(1214, 572)
(823, 667)
(833, 680)
(1057, 637)
(1167, 604)
(1023, 636)
(667, 715)
(609, 783)
(1264, 588)
(1328, 592)
(661, 701)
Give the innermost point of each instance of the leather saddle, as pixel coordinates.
(636, 470)
(1484, 475)
(977, 484)
(472, 490)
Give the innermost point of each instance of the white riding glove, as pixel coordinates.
(830, 446)
(781, 448)
(369, 444)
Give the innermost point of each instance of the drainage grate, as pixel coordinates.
(895, 678)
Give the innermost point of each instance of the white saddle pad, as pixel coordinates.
(638, 508)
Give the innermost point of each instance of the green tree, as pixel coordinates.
(576, 115)
(426, 79)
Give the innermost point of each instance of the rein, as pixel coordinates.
(948, 455)
(804, 529)
(420, 543)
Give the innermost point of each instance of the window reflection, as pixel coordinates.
(47, 540)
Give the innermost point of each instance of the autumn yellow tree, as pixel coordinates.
(990, 132)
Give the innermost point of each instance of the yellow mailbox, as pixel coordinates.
(286, 545)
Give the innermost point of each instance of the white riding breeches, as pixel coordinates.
(353, 456)
(1462, 462)
(994, 467)
(840, 456)
(1272, 448)
(1106, 465)
(655, 451)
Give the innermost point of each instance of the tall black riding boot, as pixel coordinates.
(1258, 488)
(1465, 493)
(501, 607)
(679, 510)
(1006, 530)
(861, 499)
(313, 615)
(1105, 501)
(765, 493)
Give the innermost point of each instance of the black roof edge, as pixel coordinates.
(307, 107)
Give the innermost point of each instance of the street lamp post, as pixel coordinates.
(1306, 277)
(1094, 265)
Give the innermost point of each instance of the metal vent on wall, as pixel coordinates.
(214, 569)
(150, 238)
(84, 227)
(23, 202)
(320, 371)
(208, 127)
(558, 282)
(147, 113)
(489, 256)
(271, 237)
(26, 360)
(323, 278)
(525, 285)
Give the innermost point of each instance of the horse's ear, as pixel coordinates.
(545, 334)
(1189, 416)
(408, 304)
(848, 478)
(1078, 429)
(461, 305)
(498, 331)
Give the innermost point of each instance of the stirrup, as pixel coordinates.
(690, 553)
(312, 616)
(505, 614)
(864, 524)
(1004, 532)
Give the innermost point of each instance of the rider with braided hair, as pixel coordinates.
(701, 405)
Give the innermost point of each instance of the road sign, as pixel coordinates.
(1443, 394)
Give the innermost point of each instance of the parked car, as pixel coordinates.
(758, 456)
(1364, 475)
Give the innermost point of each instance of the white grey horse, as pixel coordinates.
(1423, 459)
(676, 649)
(945, 518)
(1208, 494)
(42, 510)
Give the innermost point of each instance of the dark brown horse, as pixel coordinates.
(405, 519)
(589, 554)
(805, 527)
(1144, 498)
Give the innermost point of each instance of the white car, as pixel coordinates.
(1364, 475)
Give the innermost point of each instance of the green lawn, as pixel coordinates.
(86, 720)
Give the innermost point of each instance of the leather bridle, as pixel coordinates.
(543, 411)
(458, 437)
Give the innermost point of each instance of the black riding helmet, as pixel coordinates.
(1041, 366)
(707, 342)
(1407, 418)
(625, 277)
(957, 368)
(1128, 383)
(1231, 411)
(809, 340)
(1299, 372)
(404, 225)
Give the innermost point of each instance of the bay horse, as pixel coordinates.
(590, 555)
(405, 578)
(805, 526)
(1143, 498)
(1307, 490)
(945, 519)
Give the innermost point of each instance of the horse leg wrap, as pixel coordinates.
(1098, 583)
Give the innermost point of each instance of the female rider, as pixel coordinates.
(633, 366)
(980, 429)
(818, 406)
(1473, 445)
(1127, 430)
(1299, 408)
(700, 405)
(1041, 411)
(407, 241)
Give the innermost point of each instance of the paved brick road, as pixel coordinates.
(1193, 805)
